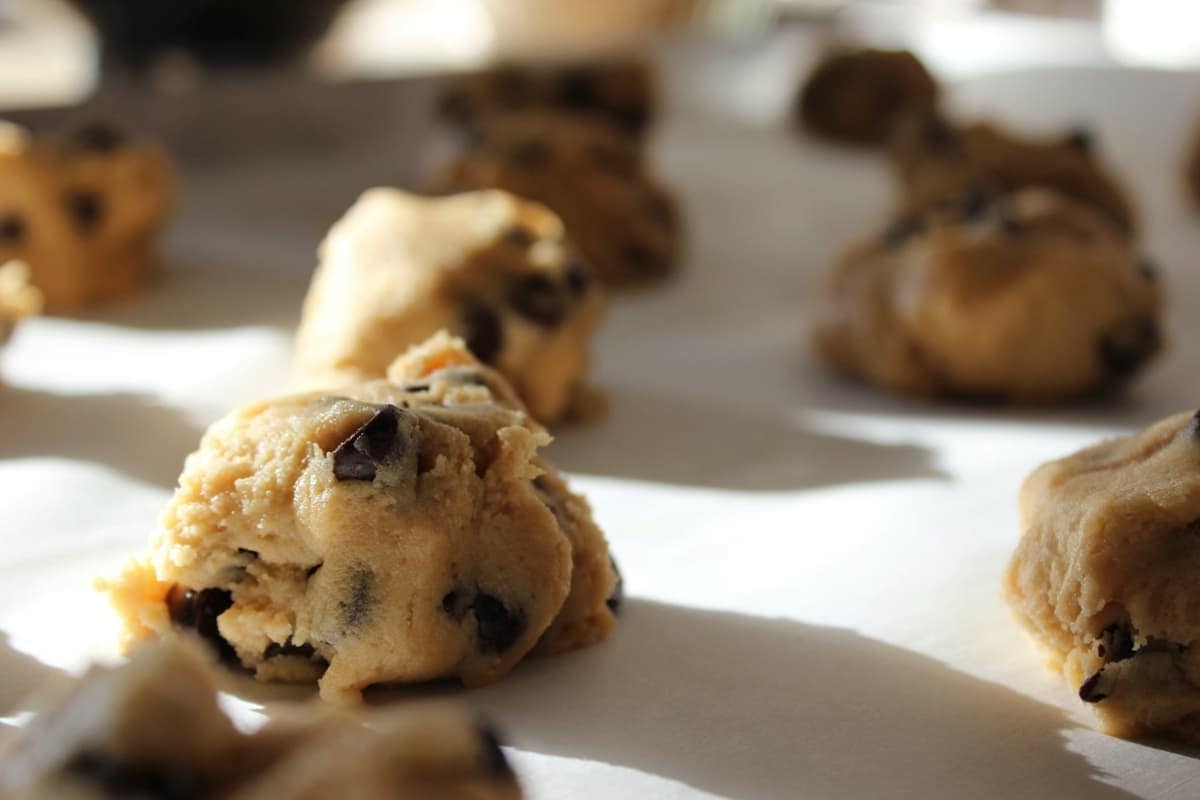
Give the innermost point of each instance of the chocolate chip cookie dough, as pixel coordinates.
(17, 298)
(1026, 297)
(624, 222)
(858, 96)
(491, 267)
(392, 531)
(1105, 577)
(83, 211)
(152, 729)
(620, 92)
(936, 161)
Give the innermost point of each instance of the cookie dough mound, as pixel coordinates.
(936, 162)
(152, 728)
(396, 531)
(858, 96)
(17, 298)
(1028, 297)
(620, 92)
(595, 179)
(1107, 576)
(495, 269)
(83, 211)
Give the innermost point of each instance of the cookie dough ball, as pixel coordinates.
(1027, 297)
(858, 96)
(936, 161)
(595, 179)
(1105, 576)
(395, 531)
(152, 728)
(620, 92)
(491, 267)
(17, 298)
(83, 211)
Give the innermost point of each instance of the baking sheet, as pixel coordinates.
(813, 568)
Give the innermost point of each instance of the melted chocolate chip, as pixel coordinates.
(518, 236)
(199, 610)
(529, 153)
(617, 597)
(356, 608)
(579, 88)
(375, 443)
(12, 229)
(1126, 347)
(538, 299)
(578, 277)
(482, 332)
(1089, 691)
(86, 208)
(902, 230)
(97, 137)
(1080, 139)
(495, 763)
(496, 626)
(143, 781)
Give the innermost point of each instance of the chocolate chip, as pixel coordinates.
(1089, 691)
(482, 332)
(356, 608)
(902, 230)
(519, 237)
(143, 781)
(375, 443)
(538, 299)
(496, 627)
(275, 649)
(86, 208)
(617, 597)
(12, 229)
(308, 573)
(199, 610)
(495, 763)
(1116, 643)
(97, 137)
(416, 387)
(1127, 346)
(1080, 139)
(450, 603)
(579, 278)
(529, 153)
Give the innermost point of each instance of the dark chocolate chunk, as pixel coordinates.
(496, 626)
(1116, 643)
(579, 88)
(86, 208)
(579, 278)
(199, 610)
(516, 235)
(12, 229)
(1127, 346)
(617, 597)
(143, 781)
(529, 153)
(1089, 692)
(375, 443)
(538, 299)
(903, 229)
(97, 137)
(356, 608)
(1080, 139)
(482, 332)
(495, 763)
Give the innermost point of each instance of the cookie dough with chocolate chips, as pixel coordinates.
(620, 92)
(83, 211)
(1105, 576)
(626, 225)
(1028, 297)
(153, 729)
(394, 531)
(491, 267)
(17, 298)
(936, 161)
(858, 96)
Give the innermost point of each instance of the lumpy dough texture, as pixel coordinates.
(935, 161)
(1028, 297)
(595, 179)
(1107, 576)
(400, 530)
(83, 211)
(493, 268)
(619, 92)
(858, 96)
(152, 729)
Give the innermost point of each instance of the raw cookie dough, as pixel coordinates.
(620, 92)
(393, 531)
(489, 266)
(936, 161)
(83, 211)
(1106, 577)
(17, 298)
(152, 729)
(1027, 297)
(858, 96)
(595, 179)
